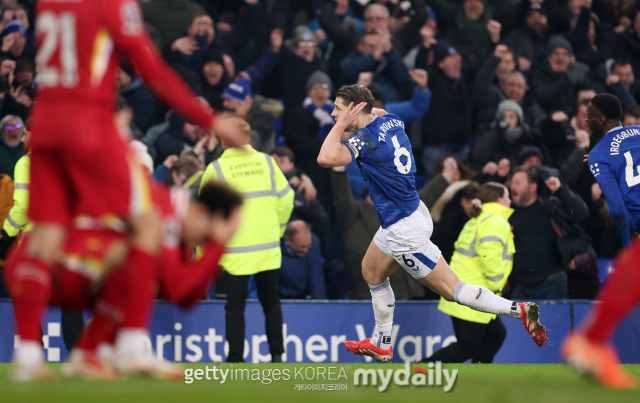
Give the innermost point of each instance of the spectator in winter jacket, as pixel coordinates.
(171, 17)
(14, 43)
(538, 267)
(336, 25)
(628, 44)
(530, 42)
(446, 128)
(137, 96)
(299, 59)
(214, 78)
(556, 81)
(187, 172)
(593, 43)
(506, 138)
(496, 81)
(306, 125)
(300, 275)
(622, 83)
(180, 136)
(376, 18)
(342, 16)
(469, 26)
(376, 54)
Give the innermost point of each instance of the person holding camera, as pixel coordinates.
(545, 213)
(507, 137)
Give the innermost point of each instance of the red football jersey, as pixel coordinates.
(180, 279)
(80, 44)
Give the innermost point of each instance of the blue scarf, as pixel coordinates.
(323, 115)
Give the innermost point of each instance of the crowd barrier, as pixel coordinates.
(315, 330)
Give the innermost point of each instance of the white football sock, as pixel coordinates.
(29, 355)
(384, 303)
(131, 342)
(482, 299)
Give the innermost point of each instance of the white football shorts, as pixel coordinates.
(408, 242)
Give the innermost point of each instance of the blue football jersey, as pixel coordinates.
(616, 159)
(383, 153)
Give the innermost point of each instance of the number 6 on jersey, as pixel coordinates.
(400, 151)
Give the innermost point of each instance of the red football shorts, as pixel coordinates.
(81, 166)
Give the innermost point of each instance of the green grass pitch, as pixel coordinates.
(476, 383)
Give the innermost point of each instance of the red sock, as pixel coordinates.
(620, 294)
(29, 284)
(141, 288)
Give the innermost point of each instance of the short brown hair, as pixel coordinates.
(532, 174)
(187, 164)
(283, 152)
(356, 94)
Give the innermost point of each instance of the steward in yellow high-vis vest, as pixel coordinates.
(483, 256)
(268, 202)
(17, 222)
(255, 247)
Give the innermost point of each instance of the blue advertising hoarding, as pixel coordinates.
(315, 330)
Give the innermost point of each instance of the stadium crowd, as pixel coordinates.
(490, 90)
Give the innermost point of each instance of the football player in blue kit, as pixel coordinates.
(615, 164)
(383, 153)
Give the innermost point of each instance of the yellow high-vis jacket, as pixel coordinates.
(18, 220)
(267, 206)
(483, 256)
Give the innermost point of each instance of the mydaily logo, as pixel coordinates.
(433, 376)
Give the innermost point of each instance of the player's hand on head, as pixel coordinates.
(348, 117)
(553, 183)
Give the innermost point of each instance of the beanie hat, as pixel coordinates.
(13, 26)
(509, 105)
(528, 151)
(441, 50)
(558, 42)
(302, 33)
(536, 7)
(319, 77)
(238, 90)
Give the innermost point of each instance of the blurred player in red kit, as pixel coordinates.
(80, 165)
(89, 274)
